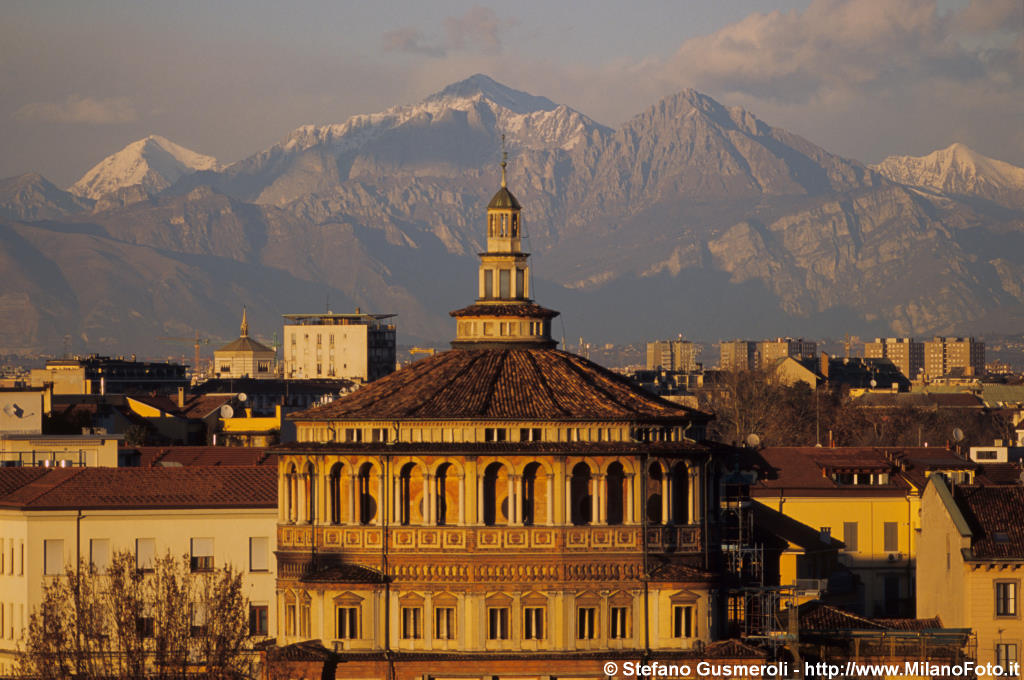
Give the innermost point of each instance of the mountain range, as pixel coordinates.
(692, 218)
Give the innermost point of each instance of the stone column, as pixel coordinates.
(670, 519)
(381, 508)
(510, 483)
(430, 498)
(628, 511)
(691, 495)
(664, 498)
(479, 499)
(602, 499)
(568, 498)
(462, 500)
(353, 496)
(551, 500)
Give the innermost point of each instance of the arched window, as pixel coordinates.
(334, 491)
(290, 488)
(680, 493)
(615, 501)
(495, 496)
(655, 480)
(309, 482)
(405, 493)
(529, 493)
(441, 493)
(582, 503)
(367, 502)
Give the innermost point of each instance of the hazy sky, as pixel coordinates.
(864, 78)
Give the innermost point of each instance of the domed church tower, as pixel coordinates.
(495, 501)
(503, 314)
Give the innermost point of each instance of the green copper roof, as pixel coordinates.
(504, 200)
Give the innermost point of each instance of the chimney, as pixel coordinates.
(181, 397)
(824, 365)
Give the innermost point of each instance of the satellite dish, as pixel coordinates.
(226, 411)
(958, 434)
(753, 441)
(874, 383)
(9, 410)
(242, 396)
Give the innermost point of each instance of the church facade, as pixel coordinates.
(500, 505)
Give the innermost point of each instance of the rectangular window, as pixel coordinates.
(488, 284)
(53, 557)
(348, 623)
(495, 434)
(850, 536)
(533, 623)
(289, 618)
(258, 550)
(99, 554)
(444, 623)
(504, 283)
(379, 435)
(353, 434)
(1006, 658)
(1006, 598)
(263, 366)
(145, 553)
(304, 618)
(520, 284)
(225, 368)
(497, 623)
(892, 537)
(682, 621)
(586, 619)
(411, 623)
(529, 434)
(617, 627)
(202, 554)
(144, 626)
(258, 621)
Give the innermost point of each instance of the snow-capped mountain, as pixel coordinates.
(154, 163)
(959, 170)
(691, 216)
(529, 121)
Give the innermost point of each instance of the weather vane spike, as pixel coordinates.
(504, 161)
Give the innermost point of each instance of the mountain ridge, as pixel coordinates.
(691, 215)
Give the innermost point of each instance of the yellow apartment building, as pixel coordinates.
(971, 563)
(50, 518)
(867, 498)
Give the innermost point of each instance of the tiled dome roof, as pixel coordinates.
(522, 384)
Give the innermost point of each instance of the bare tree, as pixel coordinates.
(131, 623)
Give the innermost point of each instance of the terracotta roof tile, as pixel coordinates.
(529, 310)
(115, 488)
(996, 516)
(166, 456)
(515, 384)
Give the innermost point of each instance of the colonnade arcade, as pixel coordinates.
(489, 490)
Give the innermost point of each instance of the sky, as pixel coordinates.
(862, 78)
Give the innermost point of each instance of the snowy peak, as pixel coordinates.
(530, 121)
(958, 169)
(480, 86)
(155, 163)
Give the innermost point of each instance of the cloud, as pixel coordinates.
(479, 26)
(475, 31)
(78, 109)
(410, 40)
(845, 48)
